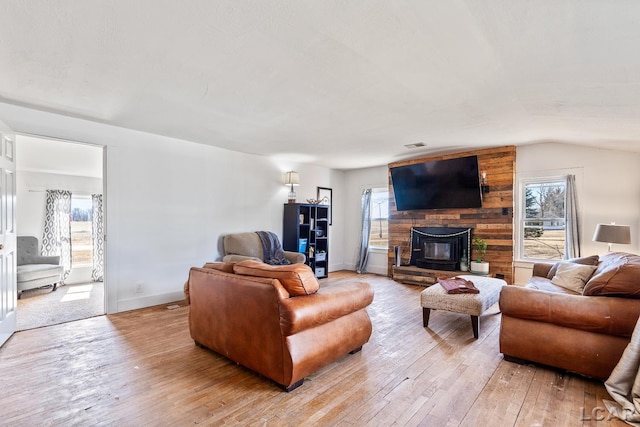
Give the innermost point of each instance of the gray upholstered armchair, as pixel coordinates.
(35, 270)
(242, 246)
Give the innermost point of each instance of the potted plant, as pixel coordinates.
(479, 266)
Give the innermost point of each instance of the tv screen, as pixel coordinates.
(439, 184)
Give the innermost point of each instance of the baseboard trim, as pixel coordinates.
(148, 301)
(374, 269)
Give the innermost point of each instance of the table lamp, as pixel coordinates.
(292, 178)
(612, 233)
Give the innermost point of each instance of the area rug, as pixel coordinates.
(41, 307)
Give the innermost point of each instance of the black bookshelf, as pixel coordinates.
(306, 230)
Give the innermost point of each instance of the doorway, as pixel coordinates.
(44, 165)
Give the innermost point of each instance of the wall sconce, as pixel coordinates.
(291, 178)
(483, 182)
(612, 233)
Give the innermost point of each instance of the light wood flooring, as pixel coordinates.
(142, 368)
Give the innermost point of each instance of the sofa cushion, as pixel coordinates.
(27, 272)
(589, 260)
(573, 276)
(246, 244)
(618, 274)
(227, 267)
(297, 279)
(544, 284)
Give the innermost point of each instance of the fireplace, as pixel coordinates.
(439, 248)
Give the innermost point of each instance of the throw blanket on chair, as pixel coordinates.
(272, 249)
(624, 383)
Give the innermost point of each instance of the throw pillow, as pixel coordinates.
(573, 276)
(618, 275)
(589, 260)
(297, 279)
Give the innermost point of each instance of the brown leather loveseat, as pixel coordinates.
(276, 320)
(584, 332)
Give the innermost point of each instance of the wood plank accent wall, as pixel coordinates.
(493, 222)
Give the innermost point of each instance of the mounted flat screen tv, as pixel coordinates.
(439, 184)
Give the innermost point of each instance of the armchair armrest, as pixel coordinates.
(295, 257)
(541, 269)
(307, 311)
(606, 315)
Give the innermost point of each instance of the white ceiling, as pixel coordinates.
(343, 84)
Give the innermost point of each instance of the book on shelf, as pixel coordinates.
(302, 245)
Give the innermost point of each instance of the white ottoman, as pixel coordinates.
(436, 297)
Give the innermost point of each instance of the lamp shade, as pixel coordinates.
(291, 178)
(612, 233)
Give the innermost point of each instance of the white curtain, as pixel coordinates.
(572, 247)
(623, 384)
(363, 251)
(56, 238)
(97, 226)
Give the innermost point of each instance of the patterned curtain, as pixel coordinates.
(97, 226)
(56, 239)
(363, 251)
(572, 248)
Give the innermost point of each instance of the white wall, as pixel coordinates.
(356, 181)
(608, 185)
(169, 201)
(31, 198)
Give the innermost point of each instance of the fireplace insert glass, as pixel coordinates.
(439, 248)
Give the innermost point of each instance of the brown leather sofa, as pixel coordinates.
(582, 333)
(276, 320)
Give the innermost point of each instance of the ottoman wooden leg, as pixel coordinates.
(425, 316)
(475, 324)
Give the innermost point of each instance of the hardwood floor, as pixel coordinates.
(142, 368)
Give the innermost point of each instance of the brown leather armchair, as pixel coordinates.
(256, 322)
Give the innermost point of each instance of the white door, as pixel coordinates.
(8, 287)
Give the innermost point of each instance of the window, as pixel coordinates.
(81, 231)
(543, 221)
(379, 234)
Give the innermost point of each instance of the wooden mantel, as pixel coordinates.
(493, 222)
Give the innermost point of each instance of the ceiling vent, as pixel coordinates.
(416, 145)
